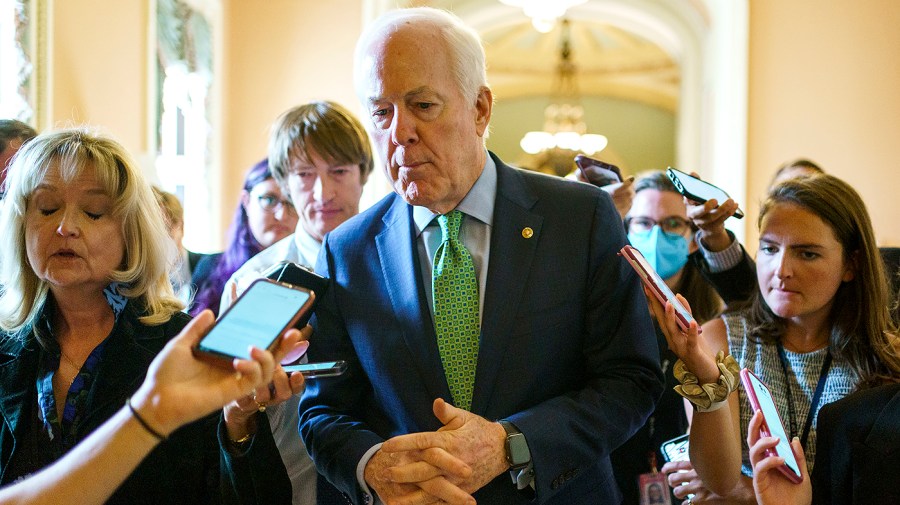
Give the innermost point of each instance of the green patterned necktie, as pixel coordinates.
(455, 292)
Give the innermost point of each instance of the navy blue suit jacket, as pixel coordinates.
(858, 449)
(567, 351)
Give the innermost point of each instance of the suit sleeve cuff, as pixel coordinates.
(368, 494)
(523, 478)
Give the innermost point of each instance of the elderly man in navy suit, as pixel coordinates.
(498, 348)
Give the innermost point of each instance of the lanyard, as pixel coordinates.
(817, 396)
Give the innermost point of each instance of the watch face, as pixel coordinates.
(517, 450)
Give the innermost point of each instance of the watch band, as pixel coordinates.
(517, 453)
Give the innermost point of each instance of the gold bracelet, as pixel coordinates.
(241, 441)
(704, 396)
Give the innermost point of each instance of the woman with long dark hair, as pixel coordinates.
(263, 217)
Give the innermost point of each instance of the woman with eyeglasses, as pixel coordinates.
(263, 217)
(658, 227)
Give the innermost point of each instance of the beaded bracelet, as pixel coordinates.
(159, 436)
(708, 397)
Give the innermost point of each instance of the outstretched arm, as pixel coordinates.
(715, 434)
(178, 389)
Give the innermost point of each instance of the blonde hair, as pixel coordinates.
(171, 207)
(144, 267)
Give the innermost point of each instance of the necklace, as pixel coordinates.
(72, 364)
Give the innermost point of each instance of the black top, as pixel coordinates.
(184, 469)
(667, 422)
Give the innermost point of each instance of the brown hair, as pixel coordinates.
(324, 127)
(862, 331)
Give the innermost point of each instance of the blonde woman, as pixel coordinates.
(86, 306)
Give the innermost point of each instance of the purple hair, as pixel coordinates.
(242, 245)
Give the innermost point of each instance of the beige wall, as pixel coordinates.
(99, 68)
(279, 53)
(825, 84)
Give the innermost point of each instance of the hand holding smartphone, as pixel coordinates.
(657, 285)
(698, 190)
(258, 317)
(761, 399)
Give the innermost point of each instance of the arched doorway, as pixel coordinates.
(707, 40)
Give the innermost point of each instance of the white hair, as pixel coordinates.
(463, 43)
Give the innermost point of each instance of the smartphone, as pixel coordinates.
(657, 285)
(288, 272)
(317, 370)
(258, 317)
(597, 172)
(676, 449)
(698, 190)
(761, 399)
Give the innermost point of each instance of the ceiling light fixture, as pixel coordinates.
(543, 13)
(564, 126)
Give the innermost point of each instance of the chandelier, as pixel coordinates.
(543, 13)
(564, 126)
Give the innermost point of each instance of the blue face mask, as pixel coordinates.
(665, 252)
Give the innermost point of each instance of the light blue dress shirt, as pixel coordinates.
(474, 232)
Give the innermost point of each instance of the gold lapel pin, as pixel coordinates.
(527, 232)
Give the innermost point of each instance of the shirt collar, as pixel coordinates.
(478, 202)
(307, 246)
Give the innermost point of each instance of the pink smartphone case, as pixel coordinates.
(652, 280)
(764, 431)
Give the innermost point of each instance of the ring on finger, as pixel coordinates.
(261, 406)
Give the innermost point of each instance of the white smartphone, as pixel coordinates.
(258, 317)
(657, 285)
(698, 190)
(761, 399)
(317, 370)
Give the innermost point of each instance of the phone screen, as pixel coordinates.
(676, 449)
(776, 429)
(257, 318)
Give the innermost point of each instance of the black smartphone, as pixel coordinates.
(258, 317)
(698, 190)
(317, 370)
(676, 449)
(298, 275)
(596, 172)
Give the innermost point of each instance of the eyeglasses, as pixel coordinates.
(271, 203)
(672, 224)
